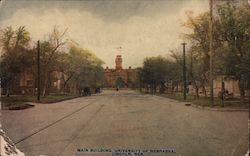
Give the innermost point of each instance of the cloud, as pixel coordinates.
(140, 36)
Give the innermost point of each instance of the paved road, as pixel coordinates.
(126, 119)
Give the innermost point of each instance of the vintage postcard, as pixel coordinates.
(124, 77)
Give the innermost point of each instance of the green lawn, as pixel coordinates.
(205, 101)
(21, 100)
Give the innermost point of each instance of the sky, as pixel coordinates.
(143, 28)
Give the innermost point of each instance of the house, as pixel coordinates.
(26, 83)
(231, 85)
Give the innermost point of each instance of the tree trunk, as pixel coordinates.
(147, 88)
(242, 89)
(197, 92)
(167, 88)
(194, 83)
(45, 87)
(48, 85)
(44, 79)
(64, 88)
(172, 89)
(155, 86)
(8, 92)
(203, 84)
(162, 88)
(44, 90)
(204, 90)
(151, 88)
(66, 82)
(196, 89)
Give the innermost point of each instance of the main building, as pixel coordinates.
(120, 77)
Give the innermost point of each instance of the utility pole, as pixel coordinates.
(249, 108)
(184, 71)
(248, 104)
(191, 63)
(38, 71)
(211, 53)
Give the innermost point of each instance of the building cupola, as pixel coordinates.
(118, 62)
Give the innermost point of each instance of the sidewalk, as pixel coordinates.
(216, 108)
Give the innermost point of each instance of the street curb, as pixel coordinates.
(219, 109)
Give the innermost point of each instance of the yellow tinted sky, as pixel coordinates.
(141, 27)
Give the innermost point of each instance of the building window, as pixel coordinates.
(30, 83)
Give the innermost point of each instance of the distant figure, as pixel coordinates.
(117, 89)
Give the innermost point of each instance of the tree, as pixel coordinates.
(234, 34)
(231, 43)
(81, 68)
(154, 72)
(16, 54)
(51, 49)
(199, 39)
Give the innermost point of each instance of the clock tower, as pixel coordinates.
(118, 62)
